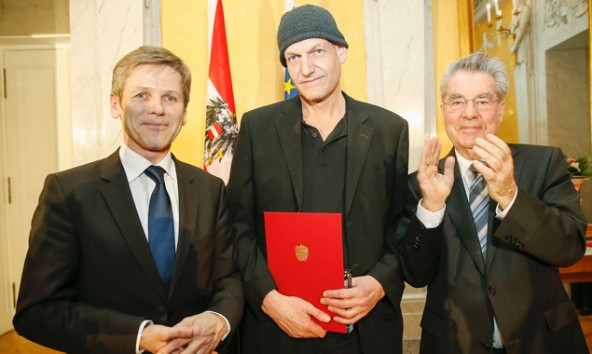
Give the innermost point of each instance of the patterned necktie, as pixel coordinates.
(479, 201)
(161, 233)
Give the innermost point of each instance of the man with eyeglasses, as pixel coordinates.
(488, 227)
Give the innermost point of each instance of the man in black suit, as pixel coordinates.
(497, 221)
(320, 152)
(98, 278)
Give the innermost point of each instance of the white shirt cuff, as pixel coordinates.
(142, 326)
(429, 219)
(501, 214)
(227, 324)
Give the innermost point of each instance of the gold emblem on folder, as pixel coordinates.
(301, 252)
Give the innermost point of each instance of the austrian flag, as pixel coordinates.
(221, 128)
(214, 131)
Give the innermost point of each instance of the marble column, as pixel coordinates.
(400, 64)
(101, 33)
(401, 78)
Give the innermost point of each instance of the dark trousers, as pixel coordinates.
(581, 295)
(263, 336)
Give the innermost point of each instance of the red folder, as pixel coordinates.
(305, 256)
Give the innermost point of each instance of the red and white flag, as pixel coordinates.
(221, 128)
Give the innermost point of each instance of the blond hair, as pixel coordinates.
(149, 55)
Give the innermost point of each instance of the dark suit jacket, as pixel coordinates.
(519, 282)
(267, 175)
(89, 279)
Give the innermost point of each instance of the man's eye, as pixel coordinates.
(292, 58)
(457, 103)
(319, 51)
(140, 95)
(171, 99)
(482, 103)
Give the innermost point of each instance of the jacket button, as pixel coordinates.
(491, 290)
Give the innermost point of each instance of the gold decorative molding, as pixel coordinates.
(466, 26)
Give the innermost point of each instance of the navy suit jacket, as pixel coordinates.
(89, 278)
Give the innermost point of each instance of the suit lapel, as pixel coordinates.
(289, 132)
(118, 197)
(188, 211)
(459, 211)
(358, 143)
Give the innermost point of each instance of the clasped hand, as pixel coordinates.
(295, 315)
(352, 304)
(199, 334)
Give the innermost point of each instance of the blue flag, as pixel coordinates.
(289, 89)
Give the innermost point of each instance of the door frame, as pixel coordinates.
(64, 150)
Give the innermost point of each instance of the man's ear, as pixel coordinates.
(500, 110)
(341, 53)
(115, 106)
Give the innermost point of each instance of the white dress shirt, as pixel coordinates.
(142, 187)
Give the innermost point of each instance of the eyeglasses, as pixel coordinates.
(482, 104)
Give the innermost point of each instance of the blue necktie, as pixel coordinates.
(161, 232)
(479, 201)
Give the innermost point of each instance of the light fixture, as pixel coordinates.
(498, 16)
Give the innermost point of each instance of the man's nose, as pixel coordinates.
(471, 109)
(156, 106)
(307, 66)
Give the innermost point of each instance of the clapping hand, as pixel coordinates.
(435, 187)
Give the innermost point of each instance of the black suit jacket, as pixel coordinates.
(519, 282)
(89, 278)
(267, 175)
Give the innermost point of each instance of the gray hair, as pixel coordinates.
(479, 62)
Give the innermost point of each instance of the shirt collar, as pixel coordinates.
(135, 165)
(463, 163)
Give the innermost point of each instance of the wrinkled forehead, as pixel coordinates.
(470, 84)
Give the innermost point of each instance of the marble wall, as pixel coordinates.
(100, 34)
(400, 62)
(400, 77)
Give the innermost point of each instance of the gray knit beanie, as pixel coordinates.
(304, 22)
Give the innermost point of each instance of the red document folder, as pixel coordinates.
(305, 256)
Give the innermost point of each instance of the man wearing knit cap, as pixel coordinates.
(322, 151)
